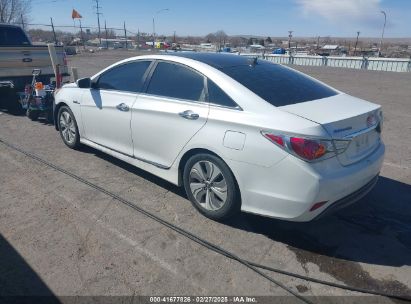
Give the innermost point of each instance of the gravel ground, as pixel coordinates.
(60, 237)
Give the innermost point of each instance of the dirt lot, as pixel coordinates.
(60, 237)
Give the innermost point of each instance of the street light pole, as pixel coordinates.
(356, 42)
(154, 24)
(290, 35)
(383, 31)
(154, 30)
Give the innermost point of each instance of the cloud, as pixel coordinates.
(360, 11)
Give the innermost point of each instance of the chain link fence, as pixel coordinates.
(78, 38)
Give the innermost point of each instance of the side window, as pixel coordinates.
(127, 77)
(176, 81)
(218, 96)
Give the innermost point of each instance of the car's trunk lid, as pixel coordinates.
(345, 118)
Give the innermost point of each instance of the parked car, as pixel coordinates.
(237, 133)
(19, 57)
(70, 50)
(280, 51)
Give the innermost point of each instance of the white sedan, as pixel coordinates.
(238, 133)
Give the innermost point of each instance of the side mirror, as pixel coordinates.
(84, 83)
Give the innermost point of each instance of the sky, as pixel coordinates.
(307, 18)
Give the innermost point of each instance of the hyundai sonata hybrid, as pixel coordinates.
(237, 133)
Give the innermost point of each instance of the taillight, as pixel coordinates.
(275, 138)
(308, 149)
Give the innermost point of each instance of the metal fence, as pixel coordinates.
(76, 33)
(375, 64)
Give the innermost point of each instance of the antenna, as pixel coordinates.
(98, 7)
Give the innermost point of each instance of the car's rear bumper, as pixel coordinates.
(289, 189)
(349, 199)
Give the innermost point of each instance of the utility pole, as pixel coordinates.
(81, 35)
(138, 39)
(318, 42)
(105, 28)
(383, 31)
(54, 32)
(125, 35)
(356, 43)
(174, 39)
(22, 22)
(98, 7)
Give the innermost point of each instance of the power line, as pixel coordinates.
(46, 1)
(71, 26)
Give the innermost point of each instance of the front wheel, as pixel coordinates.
(68, 127)
(211, 187)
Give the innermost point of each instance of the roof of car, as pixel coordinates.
(216, 60)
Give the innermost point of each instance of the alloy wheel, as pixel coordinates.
(208, 185)
(67, 127)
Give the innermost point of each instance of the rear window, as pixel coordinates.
(218, 96)
(278, 85)
(12, 36)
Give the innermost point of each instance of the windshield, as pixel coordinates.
(278, 85)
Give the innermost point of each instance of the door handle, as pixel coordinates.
(123, 107)
(189, 115)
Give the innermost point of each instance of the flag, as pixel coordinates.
(75, 14)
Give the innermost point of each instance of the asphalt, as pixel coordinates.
(60, 237)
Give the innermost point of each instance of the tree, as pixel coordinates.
(13, 11)
(111, 34)
(268, 40)
(221, 38)
(261, 42)
(250, 41)
(210, 38)
(237, 41)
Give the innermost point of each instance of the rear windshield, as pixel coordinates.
(13, 36)
(276, 84)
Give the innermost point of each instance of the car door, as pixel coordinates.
(106, 108)
(169, 113)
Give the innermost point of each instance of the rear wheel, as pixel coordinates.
(68, 127)
(211, 187)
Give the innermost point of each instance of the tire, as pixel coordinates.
(68, 127)
(13, 103)
(50, 118)
(33, 115)
(16, 109)
(211, 187)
